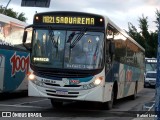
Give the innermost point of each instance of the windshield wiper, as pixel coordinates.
(79, 36)
(70, 37)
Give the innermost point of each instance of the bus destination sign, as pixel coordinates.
(69, 20)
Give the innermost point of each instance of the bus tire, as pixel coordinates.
(56, 104)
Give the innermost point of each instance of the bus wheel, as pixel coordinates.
(56, 104)
(108, 105)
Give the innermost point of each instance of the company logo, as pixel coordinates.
(19, 63)
(20, 114)
(74, 81)
(65, 81)
(6, 114)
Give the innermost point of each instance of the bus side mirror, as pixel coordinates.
(111, 48)
(24, 41)
(24, 36)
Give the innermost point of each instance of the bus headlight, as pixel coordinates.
(98, 81)
(95, 83)
(31, 76)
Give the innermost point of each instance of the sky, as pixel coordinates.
(121, 12)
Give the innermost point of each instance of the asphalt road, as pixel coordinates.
(20, 105)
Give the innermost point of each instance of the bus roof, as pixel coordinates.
(7, 19)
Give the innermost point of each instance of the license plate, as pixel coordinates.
(62, 92)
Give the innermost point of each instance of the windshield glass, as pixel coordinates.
(151, 66)
(151, 75)
(67, 49)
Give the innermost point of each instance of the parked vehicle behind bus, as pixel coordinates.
(150, 78)
(78, 56)
(150, 64)
(14, 58)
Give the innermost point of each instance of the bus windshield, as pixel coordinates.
(67, 49)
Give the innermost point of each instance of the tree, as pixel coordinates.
(135, 34)
(148, 40)
(157, 18)
(143, 25)
(11, 13)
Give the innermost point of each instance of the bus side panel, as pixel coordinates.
(2, 64)
(16, 66)
(126, 77)
(125, 86)
(140, 81)
(130, 80)
(132, 77)
(121, 79)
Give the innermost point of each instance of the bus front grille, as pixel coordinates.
(58, 85)
(72, 85)
(58, 74)
(70, 94)
(50, 84)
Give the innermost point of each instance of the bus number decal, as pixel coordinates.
(19, 64)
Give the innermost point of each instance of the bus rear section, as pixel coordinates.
(13, 69)
(14, 58)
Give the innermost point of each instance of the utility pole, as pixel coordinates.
(157, 96)
(6, 6)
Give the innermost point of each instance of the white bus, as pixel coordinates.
(80, 56)
(14, 58)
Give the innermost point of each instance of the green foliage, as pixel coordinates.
(157, 18)
(11, 13)
(148, 40)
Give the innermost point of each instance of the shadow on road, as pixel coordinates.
(6, 96)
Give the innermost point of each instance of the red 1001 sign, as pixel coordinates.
(19, 63)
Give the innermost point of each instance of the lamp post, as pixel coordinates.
(6, 6)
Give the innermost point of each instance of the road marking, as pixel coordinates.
(4, 105)
(31, 102)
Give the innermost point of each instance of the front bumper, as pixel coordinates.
(67, 93)
(150, 83)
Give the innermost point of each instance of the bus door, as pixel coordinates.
(109, 60)
(110, 49)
